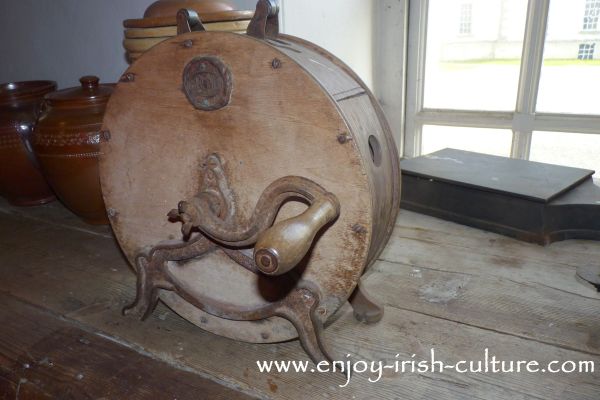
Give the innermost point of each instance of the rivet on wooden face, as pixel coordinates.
(128, 77)
(111, 212)
(188, 43)
(276, 63)
(361, 230)
(264, 335)
(344, 138)
(105, 135)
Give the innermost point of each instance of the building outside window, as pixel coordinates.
(466, 14)
(522, 83)
(586, 51)
(590, 18)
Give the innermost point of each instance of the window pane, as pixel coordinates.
(571, 149)
(570, 80)
(473, 54)
(489, 141)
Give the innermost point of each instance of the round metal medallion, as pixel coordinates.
(207, 83)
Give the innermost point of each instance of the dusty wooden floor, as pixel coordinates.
(456, 289)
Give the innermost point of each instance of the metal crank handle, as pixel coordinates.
(281, 247)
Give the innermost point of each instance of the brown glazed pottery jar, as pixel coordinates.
(66, 141)
(21, 181)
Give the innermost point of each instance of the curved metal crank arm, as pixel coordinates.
(279, 248)
(299, 307)
(300, 310)
(232, 232)
(152, 274)
(150, 278)
(241, 259)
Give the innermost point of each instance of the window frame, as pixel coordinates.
(523, 121)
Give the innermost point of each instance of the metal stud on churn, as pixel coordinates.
(282, 169)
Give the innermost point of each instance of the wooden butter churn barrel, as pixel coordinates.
(281, 169)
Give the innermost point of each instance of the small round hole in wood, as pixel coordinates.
(375, 149)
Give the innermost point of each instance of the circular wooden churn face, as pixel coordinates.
(268, 110)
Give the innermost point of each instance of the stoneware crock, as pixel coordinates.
(66, 141)
(160, 22)
(21, 181)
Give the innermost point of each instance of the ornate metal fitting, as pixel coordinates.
(213, 213)
(214, 193)
(207, 83)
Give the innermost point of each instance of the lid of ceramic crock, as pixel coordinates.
(168, 8)
(164, 13)
(14, 91)
(91, 92)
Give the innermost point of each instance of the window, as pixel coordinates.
(466, 13)
(586, 51)
(463, 74)
(590, 17)
(440, 137)
(524, 85)
(565, 148)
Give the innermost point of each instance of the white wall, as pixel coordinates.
(368, 35)
(343, 27)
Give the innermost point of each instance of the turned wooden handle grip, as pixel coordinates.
(281, 247)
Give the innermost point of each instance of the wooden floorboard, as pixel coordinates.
(529, 311)
(453, 288)
(425, 241)
(419, 226)
(42, 357)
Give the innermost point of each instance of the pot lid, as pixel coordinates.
(12, 91)
(155, 22)
(89, 93)
(164, 13)
(169, 8)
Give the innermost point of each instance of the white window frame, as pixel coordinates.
(523, 121)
